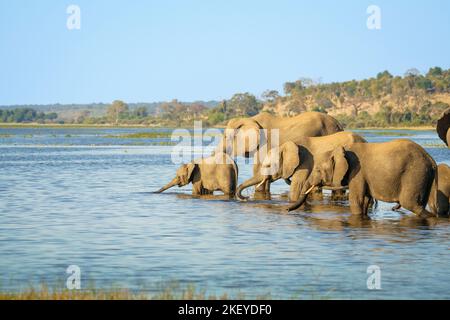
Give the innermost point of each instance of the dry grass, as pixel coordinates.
(171, 291)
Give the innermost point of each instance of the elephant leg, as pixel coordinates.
(368, 201)
(206, 191)
(360, 204)
(359, 199)
(228, 192)
(416, 202)
(416, 208)
(356, 204)
(444, 209)
(442, 204)
(338, 194)
(448, 138)
(229, 195)
(197, 189)
(422, 212)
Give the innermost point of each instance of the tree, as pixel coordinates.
(384, 74)
(434, 72)
(115, 110)
(424, 83)
(270, 95)
(140, 112)
(288, 87)
(411, 76)
(52, 116)
(413, 72)
(244, 104)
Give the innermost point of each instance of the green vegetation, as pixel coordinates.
(142, 135)
(387, 133)
(150, 135)
(21, 115)
(383, 101)
(427, 115)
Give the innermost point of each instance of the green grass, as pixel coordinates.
(387, 133)
(151, 135)
(142, 135)
(435, 145)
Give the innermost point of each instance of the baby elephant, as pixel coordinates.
(439, 201)
(216, 173)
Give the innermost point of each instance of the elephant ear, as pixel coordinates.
(443, 125)
(190, 170)
(340, 166)
(290, 159)
(239, 127)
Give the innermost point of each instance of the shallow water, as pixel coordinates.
(77, 196)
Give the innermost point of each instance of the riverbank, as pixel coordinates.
(138, 126)
(168, 292)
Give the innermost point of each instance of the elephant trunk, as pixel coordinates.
(171, 184)
(301, 200)
(246, 184)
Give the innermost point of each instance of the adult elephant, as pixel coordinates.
(235, 141)
(399, 171)
(296, 162)
(443, 127)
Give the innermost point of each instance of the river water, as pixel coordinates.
(77, 196)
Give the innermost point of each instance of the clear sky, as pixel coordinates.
(190, 50)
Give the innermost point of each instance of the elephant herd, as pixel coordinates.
(311, 152)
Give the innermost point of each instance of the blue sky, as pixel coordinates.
(191, 50)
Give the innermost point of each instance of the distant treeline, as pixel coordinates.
(385, 100)
(26, 115)
(99, 108)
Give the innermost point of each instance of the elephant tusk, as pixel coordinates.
(309, 190)
(261, 183)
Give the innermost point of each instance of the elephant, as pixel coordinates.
(307, 124)
(399, 171)
(216, 173)
(439, 201)
(295, 162)
(443, 127)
